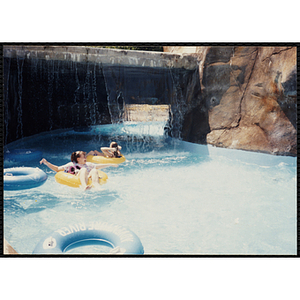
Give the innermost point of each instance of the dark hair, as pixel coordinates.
(75, 155)
(117, 153)
(114, 145)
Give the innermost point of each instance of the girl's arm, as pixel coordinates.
(108, 151)
(102, 166)
(51, 166)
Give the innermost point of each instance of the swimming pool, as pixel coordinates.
(177, 197)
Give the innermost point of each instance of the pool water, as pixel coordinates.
(177, 197)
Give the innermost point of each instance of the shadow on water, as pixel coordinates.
(28, 202)
(35, 202)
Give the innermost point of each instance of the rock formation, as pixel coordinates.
(248, 96)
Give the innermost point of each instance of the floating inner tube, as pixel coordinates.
(74, 181)
(120, 239)
(23, 178)
(105, 160)
(22, 155)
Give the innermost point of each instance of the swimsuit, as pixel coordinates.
(72, 167)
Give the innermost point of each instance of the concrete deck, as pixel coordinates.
(103, 56)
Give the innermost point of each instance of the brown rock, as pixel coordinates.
(249, 95)
(7, 248)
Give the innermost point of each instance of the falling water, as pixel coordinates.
(94, 96)
(6, 120)
(113, 84)
(50, 72)
(181, 100)
(176, 108)
(76, 95)
(107, 92)
(20, 63)
(82, 93)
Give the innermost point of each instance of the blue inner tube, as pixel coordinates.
(120, 239)
(23, 178)
(22, 155)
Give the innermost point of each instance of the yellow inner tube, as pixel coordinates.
(105, 160)
(74, 181)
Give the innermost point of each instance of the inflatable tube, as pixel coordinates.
(23, 178)
(74, 181)
(105, 160)
(122, 240)
(22, 155)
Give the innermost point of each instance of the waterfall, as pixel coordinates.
(6, 120)
(107, 92)
(76, 96)
(186, 95)
(50, 73)
(177, 107)
(94, 96)
(86, 92)
(114, 84)
(20, 63)
(50, 89)
(90, 94)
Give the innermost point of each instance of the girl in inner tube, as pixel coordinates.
(114, 150)
(80, 167)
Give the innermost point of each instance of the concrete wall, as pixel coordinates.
(103, 56)
(54, 87)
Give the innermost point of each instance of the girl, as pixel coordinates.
(80, 167)
(112, 151)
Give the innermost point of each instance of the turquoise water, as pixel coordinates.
(177, 197)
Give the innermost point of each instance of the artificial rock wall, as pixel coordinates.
(249, 98)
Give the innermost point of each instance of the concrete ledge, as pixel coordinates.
(103, 56)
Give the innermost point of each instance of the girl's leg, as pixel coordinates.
(106, 152)
(83, 176)
(98, 153)
(95, 178)
(90, 153)
(95, 152)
